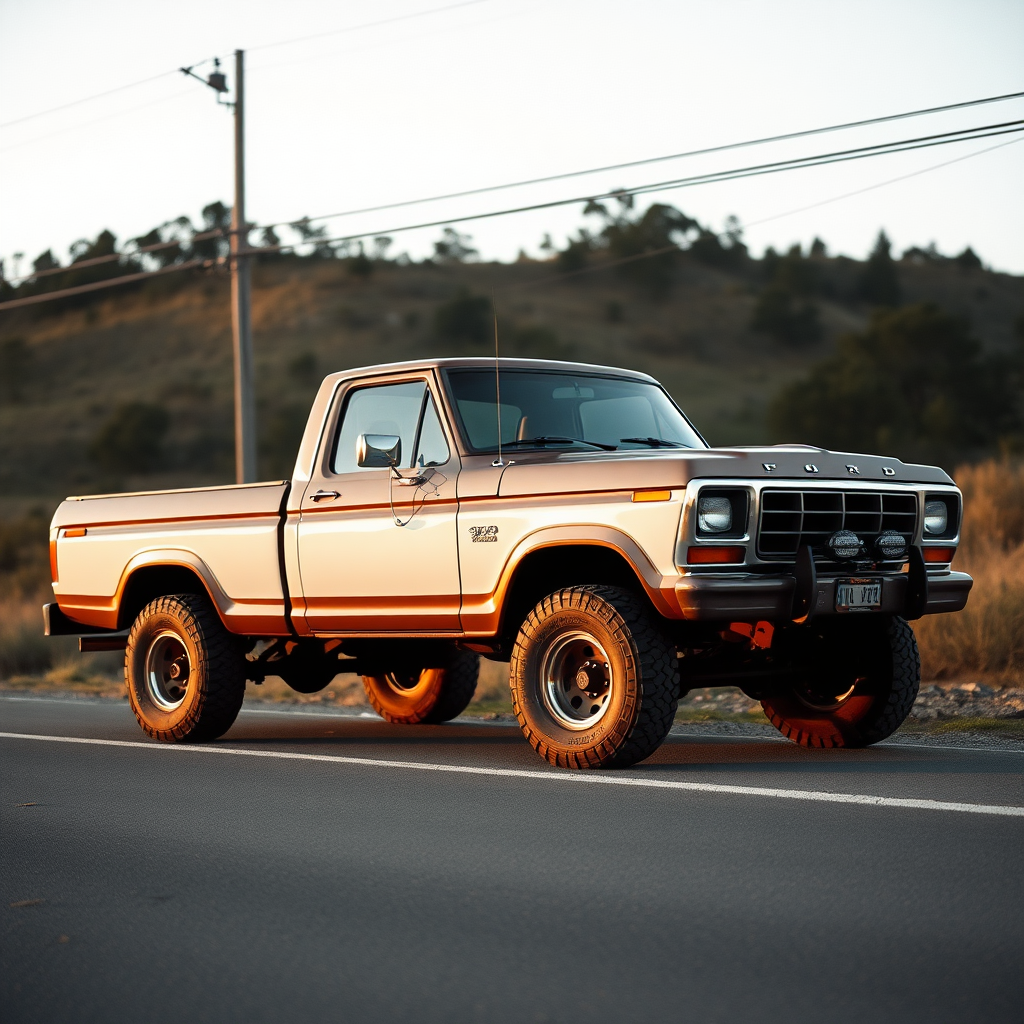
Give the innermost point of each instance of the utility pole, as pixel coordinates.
(241, 280)
(241, 299)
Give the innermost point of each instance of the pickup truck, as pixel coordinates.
(566, 518)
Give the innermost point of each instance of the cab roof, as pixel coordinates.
(484, 363)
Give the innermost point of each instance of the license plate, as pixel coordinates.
(857, 595)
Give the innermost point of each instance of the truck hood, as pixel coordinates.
(563, 472)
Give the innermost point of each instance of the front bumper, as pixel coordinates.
(747, 597)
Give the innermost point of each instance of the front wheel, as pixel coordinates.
(595, 682)
(184, 671)
(431, 695)
(848, 689)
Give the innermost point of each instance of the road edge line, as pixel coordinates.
(815, 796)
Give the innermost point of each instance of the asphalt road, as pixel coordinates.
(336, 868)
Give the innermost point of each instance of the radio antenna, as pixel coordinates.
(497, 383)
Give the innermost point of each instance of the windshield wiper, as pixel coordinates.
(653, 442)
(553, 439)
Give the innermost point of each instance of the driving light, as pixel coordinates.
(936, 518)
(891, 545)
(844, 545)
(714, 515)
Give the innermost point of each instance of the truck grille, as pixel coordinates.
(790, 518)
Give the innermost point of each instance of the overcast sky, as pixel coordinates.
(501, 90)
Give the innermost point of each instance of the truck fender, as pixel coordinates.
(482, 613)
(176, 558)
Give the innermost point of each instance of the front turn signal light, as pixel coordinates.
(707, 555)
(938, 554)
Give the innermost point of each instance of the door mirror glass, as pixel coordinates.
(379, 451)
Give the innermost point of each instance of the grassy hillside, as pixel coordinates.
(168, 344)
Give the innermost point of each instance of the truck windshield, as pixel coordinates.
(567, 410)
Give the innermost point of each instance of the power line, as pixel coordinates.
(368, 24)
(95, 96)
(611, 264)
(95, 120)
(756, 170)
(96, 286)
(264, 46)
(111, 257)
(671, 156)
(798, 163)
(880, 149)
(881, 184)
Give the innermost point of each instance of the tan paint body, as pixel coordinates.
(345, 567)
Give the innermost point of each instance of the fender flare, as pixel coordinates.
(177, 558)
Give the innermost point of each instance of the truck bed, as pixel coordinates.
(230, 535)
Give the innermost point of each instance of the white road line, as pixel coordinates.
(550, 776)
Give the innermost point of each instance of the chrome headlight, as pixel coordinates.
(714, 514)
(936, 518)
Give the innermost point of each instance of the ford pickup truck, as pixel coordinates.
(566, 518)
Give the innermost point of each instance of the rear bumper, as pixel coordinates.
(748, 597)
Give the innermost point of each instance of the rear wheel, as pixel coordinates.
(849, 688)
(184, 671)
(411, 695)
(595, 682)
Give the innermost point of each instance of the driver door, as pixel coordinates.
(377, 555)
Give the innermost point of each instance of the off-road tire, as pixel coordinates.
(428, 696)
(641, 682)
(216, 670)
(880, 702)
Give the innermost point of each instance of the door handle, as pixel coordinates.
(325, 495)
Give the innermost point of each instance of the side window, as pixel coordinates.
(433, 448)
(385, 409)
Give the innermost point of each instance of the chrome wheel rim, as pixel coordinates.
(168, 670)
(576, 680)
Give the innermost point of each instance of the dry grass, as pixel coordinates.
(987, 637)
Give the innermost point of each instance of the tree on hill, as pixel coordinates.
(45, 261)
(467, 320)
(968, 259)
(915, 384)
(131, 440)
(216, 217)
(454, 247)
(784, 310)
(878, 283)
(725, 251)
(648, 245)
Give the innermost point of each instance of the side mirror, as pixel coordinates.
(379, 451)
